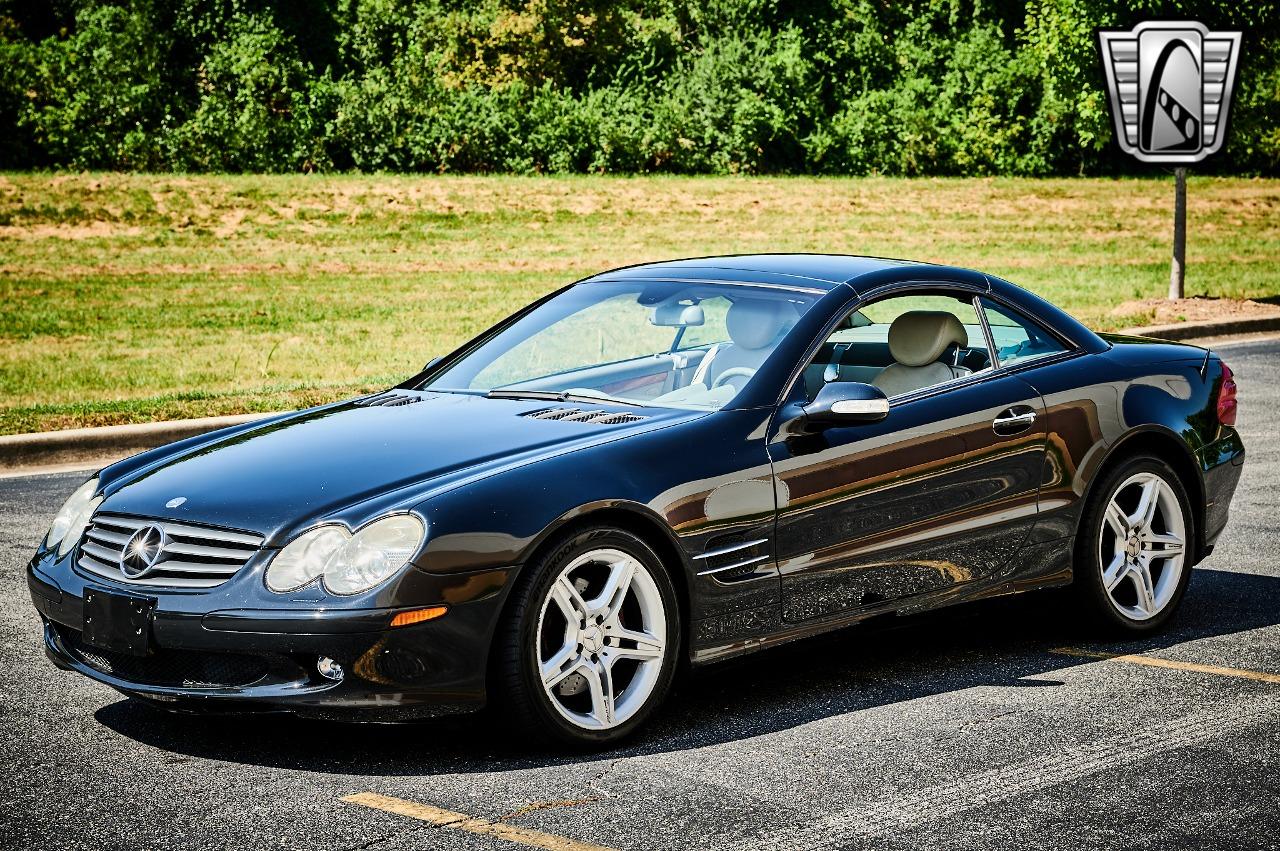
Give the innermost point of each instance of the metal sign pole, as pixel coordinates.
(1178, 272)
(1169, 84)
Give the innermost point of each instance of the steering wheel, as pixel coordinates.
(732, 372)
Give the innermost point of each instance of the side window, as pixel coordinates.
(902, 344)
(1017, 338)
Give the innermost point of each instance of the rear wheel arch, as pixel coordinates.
(1168, 447)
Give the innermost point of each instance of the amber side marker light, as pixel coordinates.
(418, 615)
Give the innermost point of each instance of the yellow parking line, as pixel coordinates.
(1151, 661)
(461, 821)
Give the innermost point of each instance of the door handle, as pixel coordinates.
(1010, 422)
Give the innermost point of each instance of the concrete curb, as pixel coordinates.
(1221, 328)
(82, 448)
(98, 446)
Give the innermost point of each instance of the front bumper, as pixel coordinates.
(257, 659)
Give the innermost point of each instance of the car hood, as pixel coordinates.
(387, 450)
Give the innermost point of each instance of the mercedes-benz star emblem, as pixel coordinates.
(142, 551)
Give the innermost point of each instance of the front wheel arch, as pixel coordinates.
(636, 519)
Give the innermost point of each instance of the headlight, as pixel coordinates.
(305, 557)
(347, 564)
(73, 517)
(373, 554)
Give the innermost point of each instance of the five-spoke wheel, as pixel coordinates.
(1142, 546)
(1138, 533)
(601, 635)
(590, 649)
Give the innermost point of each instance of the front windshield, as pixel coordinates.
(661, 343)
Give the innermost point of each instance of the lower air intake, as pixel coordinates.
(174, 668)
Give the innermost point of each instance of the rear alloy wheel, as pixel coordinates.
(594, 641)
(1140, 534)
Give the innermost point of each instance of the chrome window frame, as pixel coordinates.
(924, 286)
(1016, 314)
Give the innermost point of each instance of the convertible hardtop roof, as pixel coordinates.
(824, 272)
(813, 271)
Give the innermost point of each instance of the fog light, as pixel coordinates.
(329, 669)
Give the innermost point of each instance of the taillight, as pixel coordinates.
(1227, 397)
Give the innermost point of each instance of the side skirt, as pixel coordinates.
(1044, 565)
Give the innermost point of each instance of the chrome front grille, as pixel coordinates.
(192, 556)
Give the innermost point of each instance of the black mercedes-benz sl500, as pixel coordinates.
(666, 463)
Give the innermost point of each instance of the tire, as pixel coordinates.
(1133, 565)
(624, 643)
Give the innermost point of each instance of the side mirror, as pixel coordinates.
(847, 402)
(432, 363)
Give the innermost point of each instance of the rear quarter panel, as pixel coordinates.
(1102, 406)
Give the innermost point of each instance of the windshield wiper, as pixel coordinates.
(550, 395)
(561, 396)
(594, 396)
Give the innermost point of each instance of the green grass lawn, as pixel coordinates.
(132, 298)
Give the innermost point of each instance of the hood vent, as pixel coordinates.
(390, 399)
(577, 415)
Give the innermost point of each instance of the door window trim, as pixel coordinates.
(924, 287)
(1058, 335)
(1068, 346)
(986, 332)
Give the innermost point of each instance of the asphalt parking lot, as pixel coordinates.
(985, 727)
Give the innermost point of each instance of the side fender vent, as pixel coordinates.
(577, 415)
(733, 557)
(390, 399)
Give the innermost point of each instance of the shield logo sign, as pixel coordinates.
(1170, 84)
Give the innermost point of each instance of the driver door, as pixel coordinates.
(939, 494)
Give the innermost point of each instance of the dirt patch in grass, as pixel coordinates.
(92, 230)
(1156, 311)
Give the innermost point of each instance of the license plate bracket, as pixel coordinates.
(119, 622)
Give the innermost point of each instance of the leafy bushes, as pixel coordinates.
(94, 97)
(255, 107)
(693, 86)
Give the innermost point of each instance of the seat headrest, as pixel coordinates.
(755, 323)
(919, 337)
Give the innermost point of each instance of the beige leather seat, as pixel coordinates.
(754, 326)
(918, 340)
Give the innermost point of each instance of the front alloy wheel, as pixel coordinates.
(590, 644)
(601, 636)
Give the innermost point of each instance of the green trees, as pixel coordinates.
(93, 97)
(722, 86)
